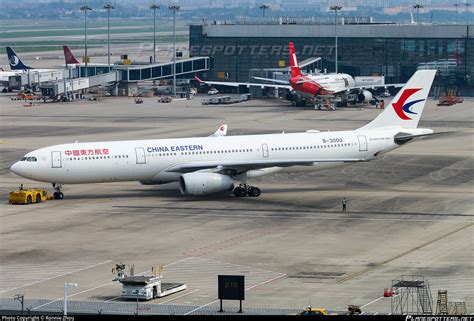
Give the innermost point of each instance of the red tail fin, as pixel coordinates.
(69, 57)
(295, 70)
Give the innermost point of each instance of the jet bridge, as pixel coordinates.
(66, 87)
(125, 76)
(184, 67)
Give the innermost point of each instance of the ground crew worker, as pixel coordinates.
(21, 187)
(382, 104)
(344, 204)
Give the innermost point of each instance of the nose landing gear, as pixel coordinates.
(246, 190)
(58, 195)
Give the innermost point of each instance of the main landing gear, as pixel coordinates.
(58, 195)
(246, 190)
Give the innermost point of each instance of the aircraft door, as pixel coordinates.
(362, 143)
(140, 153)
(56, 160)
(265, 150)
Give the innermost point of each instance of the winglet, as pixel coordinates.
(221, 131)
(69, 56)
(15, 61)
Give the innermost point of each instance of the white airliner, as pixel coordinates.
(204, 165)
(313, 88)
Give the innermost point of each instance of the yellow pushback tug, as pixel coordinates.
(28, 196)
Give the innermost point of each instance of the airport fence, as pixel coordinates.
(35, 306)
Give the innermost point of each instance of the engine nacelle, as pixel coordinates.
(292, 95)
(365, 97)
(204, 183)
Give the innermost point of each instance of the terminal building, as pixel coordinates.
(364, 49)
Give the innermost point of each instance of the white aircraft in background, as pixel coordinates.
(17, 67)
(313, 88)
(205, 165)
(5, 75)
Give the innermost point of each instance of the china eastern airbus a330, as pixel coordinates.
(205, 165)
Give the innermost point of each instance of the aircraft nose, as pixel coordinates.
(18, 169)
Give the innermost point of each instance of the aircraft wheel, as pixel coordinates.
(239, 192)
(38, 198)
(60, 195)
(255, 192)
(29, 200)
(55, 195)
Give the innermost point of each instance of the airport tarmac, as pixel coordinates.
(408, 213)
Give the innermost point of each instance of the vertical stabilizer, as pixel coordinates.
(406, 107)
(69, 56)
(295, 70)
(15, 61)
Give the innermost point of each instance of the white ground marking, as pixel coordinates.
(180, 296)
(102, 285)
(247, 289)
(367, 304)
(53, 277)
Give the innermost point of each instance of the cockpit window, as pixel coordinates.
(23, 159)
(31, 159)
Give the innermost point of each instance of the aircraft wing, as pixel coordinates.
(376, 86)
(237, 84)
(278, 81)
(243, 166)
(359, 88)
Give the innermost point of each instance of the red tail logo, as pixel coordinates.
(403, 109)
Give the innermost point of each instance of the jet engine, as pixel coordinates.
(204, 183)
(364, 97)
(292, 96)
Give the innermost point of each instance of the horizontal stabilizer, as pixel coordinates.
(403, 138)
